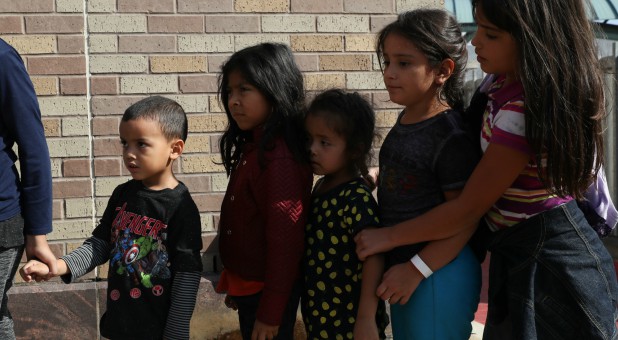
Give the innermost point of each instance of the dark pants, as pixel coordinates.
(247, 309)
(550, 277)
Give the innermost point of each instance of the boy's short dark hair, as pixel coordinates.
(170, 115)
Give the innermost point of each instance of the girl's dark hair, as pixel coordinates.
(351, 116)
(563, 87)
(437, 34)
(272, 70)
(169, 114)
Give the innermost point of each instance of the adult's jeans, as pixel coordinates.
(550, 277)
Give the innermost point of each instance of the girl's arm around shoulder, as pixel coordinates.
(498, 168)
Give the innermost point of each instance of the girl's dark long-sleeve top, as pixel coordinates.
(20, 123)
(261, 231)
(152, 240)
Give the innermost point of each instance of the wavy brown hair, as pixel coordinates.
(563, 87)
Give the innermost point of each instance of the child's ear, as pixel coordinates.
(444, 71)
(177, 147)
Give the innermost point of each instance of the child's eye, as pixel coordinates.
(142, 144)
(386, 62)
(324, 143)
(123, 143)
(403, 63)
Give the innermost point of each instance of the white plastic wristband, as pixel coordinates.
(421, 266)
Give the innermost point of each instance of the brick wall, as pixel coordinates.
(89, 60)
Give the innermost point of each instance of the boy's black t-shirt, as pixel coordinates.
(154, 234)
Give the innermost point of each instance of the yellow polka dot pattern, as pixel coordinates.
(332, 269)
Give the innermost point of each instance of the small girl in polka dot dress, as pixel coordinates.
(339, 300)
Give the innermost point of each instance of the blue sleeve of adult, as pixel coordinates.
(21, 117)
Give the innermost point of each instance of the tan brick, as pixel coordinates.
(71, 44)
(63, 106)
(212, 122)
(307, 62)
(103, 85)
(71, 188)
(342, 62)
(343, 23)
(76, 167)
(191, 102)
(57, 65)
(262, 6)
(214, 142)
(105, 126)
(214, 105)
(386, 118)
(148, 6)
(365, 81)
(57, 209)
(246, 40)
(407, 5)
(316, 43)
(198, 83)
(51, 126)
(26, 6)
(177, 64)
(205, 6)
(69, 147)
(107, 167)
(379, 22)
(149, 84)
(317, 6)
(100, 203)
(197, 143)
(219, 182)
(101, 6)
(79, 207)
(175, 24)
(11, 24)
(196, 182)
(288, 23)
(118, 64)
(117, 23)
(71, 229)
(75, 126)
(360, 43)
(45, 86)
(104, 186)
(54, 24)
(107, 146)
(102, 43)
(56, 167)
(72, 85)
(323, 81)
(208, 202)
(146, 43)
(369, 6)
(232, 23)
(201, 163)
(69, 6)
(210, 43)
(32, 44)
(103, 105)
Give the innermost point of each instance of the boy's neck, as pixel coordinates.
(167, 181)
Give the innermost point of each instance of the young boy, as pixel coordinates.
(150, 233)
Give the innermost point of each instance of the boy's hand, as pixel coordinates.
(366, 329)
(37, 248)
(34, 270)
(399, 283)
(262, 331)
